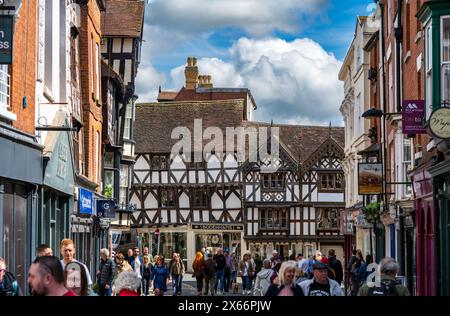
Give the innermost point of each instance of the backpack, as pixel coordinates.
(386, 288)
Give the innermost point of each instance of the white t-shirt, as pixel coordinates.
(137, 267)
(245, 269)
(85, 269)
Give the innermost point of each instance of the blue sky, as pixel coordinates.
(255, 40)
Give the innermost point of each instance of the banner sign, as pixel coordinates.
(6, 39)
(413, 112)
(106, 209)
(86, 202)
(370, 178)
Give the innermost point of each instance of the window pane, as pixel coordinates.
(407, 149)
(446, 82)
(446, 40)
(109, 184)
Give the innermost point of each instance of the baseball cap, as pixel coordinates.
(319, 266)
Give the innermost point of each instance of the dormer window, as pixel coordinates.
(330, 182)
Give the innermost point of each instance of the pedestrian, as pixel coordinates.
(210, 275)
(105, 274)
(220, 271)
(160, 277)
(146, 275)
(234, 271)
(385, 284)
(46, 277)
(129, 256)
(75, 279)
(227, 271)
(67, 250)
(147, 254)
(44, 250)
(199, 268)
(137, 264)
(321, 284)
(180, 288)
(351, 274)
(246, 271)
(274, 258)
(258, 263)
(335, 266)
(128, 284)
(285, 285)
(356, 271)
(176, 269)
(8, 283)
(263, 279)
(302, 263)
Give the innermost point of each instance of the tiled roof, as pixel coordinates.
(123, 18)
(156, 121)
(167, 95)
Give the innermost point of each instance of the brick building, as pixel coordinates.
(20, 154)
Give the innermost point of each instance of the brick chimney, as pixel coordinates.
(205, 81)
(191, 73)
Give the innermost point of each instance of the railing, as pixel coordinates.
(4, 87)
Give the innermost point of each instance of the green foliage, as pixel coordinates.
(108, 191)
(372, 211)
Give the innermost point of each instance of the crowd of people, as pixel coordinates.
(133, 274)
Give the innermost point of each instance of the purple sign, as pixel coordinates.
(413, 112)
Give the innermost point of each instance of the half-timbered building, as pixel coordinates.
(223, 201)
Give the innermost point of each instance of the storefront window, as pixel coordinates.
(169, 243)
(226, 241)
(445, 64)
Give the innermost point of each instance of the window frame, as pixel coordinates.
(272, 215)
(278, 177)
(334, 188)
(205, 198)
(443, 64)
(167, 159)
(329, 210)
(172, 192)
(428, 69)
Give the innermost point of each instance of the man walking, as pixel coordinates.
(46, 277)
(336, 266)
(385, 283)
(220, 270)
(321, 284)
(44, 250)
(67, 250)
(106, 273)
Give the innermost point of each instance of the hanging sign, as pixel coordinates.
(440, 123)
(370, 178)
(413, 112)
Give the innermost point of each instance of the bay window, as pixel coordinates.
(445, 58)
(428, 71)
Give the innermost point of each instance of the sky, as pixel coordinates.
(287, 52)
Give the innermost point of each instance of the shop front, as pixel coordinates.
(425, 233)
(264, 248)
(20, 180)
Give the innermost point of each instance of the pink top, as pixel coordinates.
(286, 291)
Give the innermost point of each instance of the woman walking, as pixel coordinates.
(199, 267)
(160, 277)
(246, 271)
(285, 285)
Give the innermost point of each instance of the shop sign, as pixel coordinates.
(6, 39)
(370, 178)
(106, 209)
(86, 202)
(217, 227)
(440, 123)
(413, 112)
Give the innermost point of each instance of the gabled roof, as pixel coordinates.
(123, 18)
(167, 96)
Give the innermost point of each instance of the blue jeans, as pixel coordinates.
(105, 292)
(176, 284)
(246, 283)
(219, 280)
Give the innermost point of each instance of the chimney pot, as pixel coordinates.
(191, 73)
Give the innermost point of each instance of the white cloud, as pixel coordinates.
(292, 82)
(148, 81)
(256, 17)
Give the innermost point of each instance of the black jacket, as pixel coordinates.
(106, 272)
(9, 286)
(274, 290)
(221, 262)
(336, 266)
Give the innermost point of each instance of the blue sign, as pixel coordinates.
(6, 38)
(86, 202)
(106, 209)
